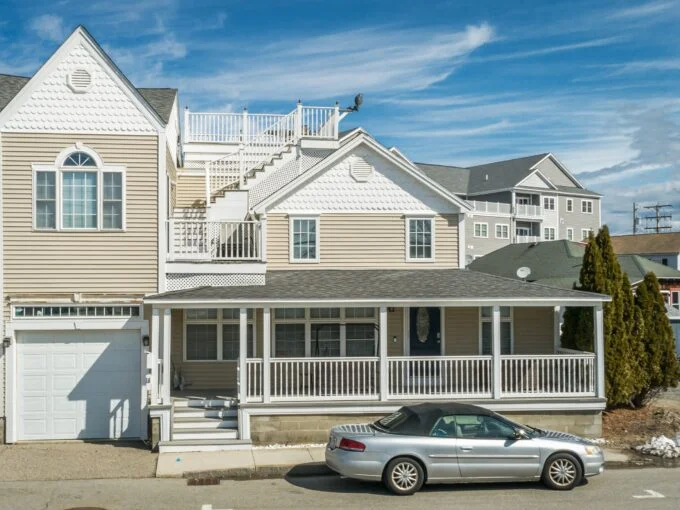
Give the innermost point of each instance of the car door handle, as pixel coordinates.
(465, 448)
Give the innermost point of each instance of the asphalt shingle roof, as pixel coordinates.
(380, 285)
(558, 263)
(647, 243)
(161, 100)
(453, 178)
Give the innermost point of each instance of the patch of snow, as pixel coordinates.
(600, 440)
(661, 446)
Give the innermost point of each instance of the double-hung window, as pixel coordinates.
(481, 230)
(78, 192)
(585, 232)
(570, 205)
(570, 234)
(549, 203)
(214, 335)
(486, 330)
(549, 234)
(420, 239)
(304, 239)
(502, 231)
(587, 206)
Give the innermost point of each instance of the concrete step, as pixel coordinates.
(203, 423)
(203, 445)
(205, 403)
(204, 433)
(201, 412)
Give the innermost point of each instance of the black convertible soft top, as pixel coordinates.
(418, 420)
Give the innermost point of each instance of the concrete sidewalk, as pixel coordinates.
(244, 464)
(277, 462)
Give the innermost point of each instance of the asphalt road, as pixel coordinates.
(620, 489)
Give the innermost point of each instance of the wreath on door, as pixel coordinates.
(422, 324)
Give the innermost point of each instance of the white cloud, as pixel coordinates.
(643, 10)
(551, 49)
(375, 60)
(49, 27)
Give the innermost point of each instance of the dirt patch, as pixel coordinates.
(625, 428)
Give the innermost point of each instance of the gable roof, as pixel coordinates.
(18, 86)
(160, 99)
(347, 145)
(558, 263)
(491, 177)
(668, 242)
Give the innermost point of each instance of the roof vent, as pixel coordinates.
(486, 177)
(80, 80)
(360, 169)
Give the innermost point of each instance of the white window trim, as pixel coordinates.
(510, 319)
(407, 238)
(58, 169)
(14, 306)
(587, 232)
(474, 230)
(583, 203)
(551, 230)
(550, 200)
(342, 320)
(570, 230)
(507, 225)
(570, 205)
(218, 322)
(291, 250)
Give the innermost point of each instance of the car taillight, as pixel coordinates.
(351, 445)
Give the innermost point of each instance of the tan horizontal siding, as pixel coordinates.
(533, 330)
(66, 262)
(190, 191)
(461, 331)
(362, 241)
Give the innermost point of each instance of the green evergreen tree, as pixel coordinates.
(659, 360)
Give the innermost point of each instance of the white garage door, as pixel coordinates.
(78, 385)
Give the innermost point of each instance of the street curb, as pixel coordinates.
(264, 472)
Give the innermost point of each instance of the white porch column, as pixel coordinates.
(496, 351)
(384, 379)
(598, 335)
(266, 353)
(243, 355)
(155, 354)
(167, 364)
(557, 322)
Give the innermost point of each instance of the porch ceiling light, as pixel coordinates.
(145, 340)
(394, 339)
(6, 342)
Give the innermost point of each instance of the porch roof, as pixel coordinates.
(397, 287)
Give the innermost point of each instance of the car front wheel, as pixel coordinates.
(562, 472)
(404, 476)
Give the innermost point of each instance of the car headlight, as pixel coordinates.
(593, 450)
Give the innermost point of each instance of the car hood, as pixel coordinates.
(553, 435)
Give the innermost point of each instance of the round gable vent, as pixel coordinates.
(80, 80)
(360, 169)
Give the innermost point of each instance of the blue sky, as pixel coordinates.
(454, 82)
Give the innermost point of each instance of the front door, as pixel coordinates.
(425, 331)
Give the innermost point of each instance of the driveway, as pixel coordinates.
(76, 461)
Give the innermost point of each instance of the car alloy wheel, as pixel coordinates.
(404, 476)
(562, 472)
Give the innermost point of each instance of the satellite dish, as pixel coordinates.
(523, 272)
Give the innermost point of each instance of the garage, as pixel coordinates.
(78, 385)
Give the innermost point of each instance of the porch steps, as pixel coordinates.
(211, 419)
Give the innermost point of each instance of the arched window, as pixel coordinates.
(79, 192)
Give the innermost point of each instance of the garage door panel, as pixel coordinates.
(79, 384)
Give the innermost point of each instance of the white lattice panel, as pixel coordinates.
(55, 107)
(189, 281)
(285, 174)
(389, 189)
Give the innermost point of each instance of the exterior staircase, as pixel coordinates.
(204, 424)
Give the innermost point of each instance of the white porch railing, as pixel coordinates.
(560, 375)
(528, 211)
(490, 207)
(305, 379)
(214, 240)
(527, 239)
(319, 122)
(254, 380)
(440, 377)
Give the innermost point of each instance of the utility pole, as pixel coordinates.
(660, 220)
(635, 220)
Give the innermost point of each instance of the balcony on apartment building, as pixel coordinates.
(520, 209)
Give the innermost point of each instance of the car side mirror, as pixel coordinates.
(520, 434)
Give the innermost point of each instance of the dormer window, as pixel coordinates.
(79, 192)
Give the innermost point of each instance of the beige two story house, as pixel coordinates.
(287, 275)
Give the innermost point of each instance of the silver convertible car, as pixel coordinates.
(451, 442)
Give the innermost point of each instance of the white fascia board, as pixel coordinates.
(80, 35)
(562, 167)
(375, 302)
(337, 156)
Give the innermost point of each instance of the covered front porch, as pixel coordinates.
(272, 351)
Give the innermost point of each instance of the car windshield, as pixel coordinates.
(532, 431)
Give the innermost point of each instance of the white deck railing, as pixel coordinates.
(528, 211)
(319, 122)
(490, 207)
(559, 375)
(306, 379)
(214, 240)
(440, 377)
(527, 239)
(254, 379)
